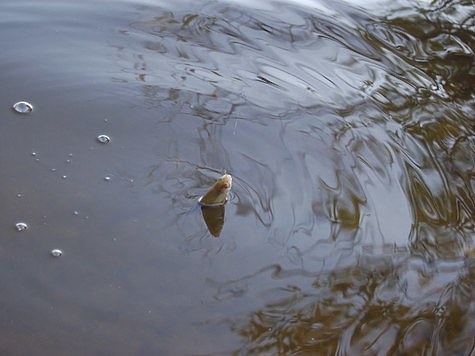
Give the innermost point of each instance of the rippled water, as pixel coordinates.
(348, 128)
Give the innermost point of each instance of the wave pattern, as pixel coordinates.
(350, 135)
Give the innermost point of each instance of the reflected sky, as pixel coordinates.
(347, 128)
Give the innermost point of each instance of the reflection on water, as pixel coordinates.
(213, 216)
(349, 133)
(380, 305)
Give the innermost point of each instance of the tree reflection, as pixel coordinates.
(412, 130)
(407, 307)
(368, 310)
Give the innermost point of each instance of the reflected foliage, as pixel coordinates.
(343, 130)
(378, 306)
(348, 127)
(385, 306)
(439, 41)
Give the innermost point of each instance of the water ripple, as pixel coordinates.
(250, 54)
(349, 132)
(339, 124)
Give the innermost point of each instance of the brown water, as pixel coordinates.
(348, 129)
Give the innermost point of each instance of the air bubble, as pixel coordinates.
(23, 107)
(21, 226)
(107, 178)
(103, 139)
(56, 252)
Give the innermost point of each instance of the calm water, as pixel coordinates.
(348, 128)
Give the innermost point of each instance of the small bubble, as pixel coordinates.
(64, 177)
(56, 252)
(53, 169)
(23, 107)
(68, 161)
(76, 212)
(70, 155)
(21, 226)
(34, 154)
(103, 139)
(107, 178)
(19, 195)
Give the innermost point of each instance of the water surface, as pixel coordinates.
(347, 126)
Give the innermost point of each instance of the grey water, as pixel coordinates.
(348, 128)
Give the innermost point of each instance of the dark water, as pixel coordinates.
(348, 129)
